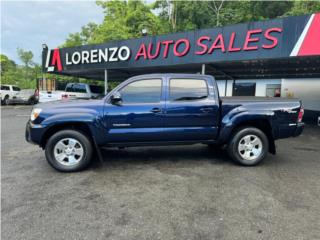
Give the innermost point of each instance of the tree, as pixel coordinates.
(216, 6)
(6, 64)
(82, 37)
(304, 7)
(25, 57)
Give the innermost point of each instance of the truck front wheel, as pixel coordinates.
(248, 146)
(68, 151)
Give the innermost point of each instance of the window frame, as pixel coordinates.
(137, 80)
(187, 79)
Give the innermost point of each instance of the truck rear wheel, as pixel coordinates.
(68, 151)
(248, 146)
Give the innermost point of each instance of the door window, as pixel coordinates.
(187, 89)
(142, 91)
(16, 89)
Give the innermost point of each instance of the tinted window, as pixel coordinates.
(5, 88)
(188, 89)
(69, 88)
(15, 88)
(143, 91)
(244, 89)
(96, 89)
(80, 88)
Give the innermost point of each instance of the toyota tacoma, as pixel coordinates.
(162, 109)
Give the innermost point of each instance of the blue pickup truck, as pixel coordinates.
(162, 109)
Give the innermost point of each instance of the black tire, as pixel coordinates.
(251, 133)
(6, 100)
(82, 163)
(32, 101)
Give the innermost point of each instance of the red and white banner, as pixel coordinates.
(309, 40)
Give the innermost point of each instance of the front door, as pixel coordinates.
(139, 116)
(192, 110)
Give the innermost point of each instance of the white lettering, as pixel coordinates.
(68, 62)
(113, 53)
(85, 57)
(103, 55)
(76, 58)
(94, 56)
(127, 53)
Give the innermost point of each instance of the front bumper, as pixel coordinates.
(34, 133)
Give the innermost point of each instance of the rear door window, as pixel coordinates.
(187, 89)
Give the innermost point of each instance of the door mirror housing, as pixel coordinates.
(116, 98)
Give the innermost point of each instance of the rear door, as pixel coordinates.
(192, 109)
(139, 117)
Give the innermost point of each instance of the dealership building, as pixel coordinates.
(274, 58)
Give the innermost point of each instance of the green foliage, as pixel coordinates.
(126, 19)
(81, 38)
(25, 56)
(304, 7)
(22, 76)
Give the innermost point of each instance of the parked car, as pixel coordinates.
(82, 91)
(163, 109)
(72, 91)
(8, 93)
(26, 96)
(49, 96)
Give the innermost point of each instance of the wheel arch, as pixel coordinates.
(263, 125)
(78, 126)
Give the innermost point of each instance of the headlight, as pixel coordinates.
(35, 113)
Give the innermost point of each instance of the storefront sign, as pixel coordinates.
(257, 40)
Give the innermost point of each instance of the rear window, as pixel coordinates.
(15, 88)
(188, 89)
(5, 88)
(96, 89)
(79, 88)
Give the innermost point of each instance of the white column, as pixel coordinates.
(105, 81)
(203, 69)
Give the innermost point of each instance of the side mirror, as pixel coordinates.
(116, 98)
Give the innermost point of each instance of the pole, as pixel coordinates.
(105, 81)
(203, 69)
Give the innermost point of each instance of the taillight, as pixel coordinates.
(64, 96)
(300, 116)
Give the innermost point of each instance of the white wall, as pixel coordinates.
(306, 89)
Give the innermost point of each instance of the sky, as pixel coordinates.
(29, 24)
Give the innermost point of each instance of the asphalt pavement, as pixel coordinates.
(178, 192)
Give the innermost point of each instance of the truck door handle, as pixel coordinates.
(206, 109)
(155, 110)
